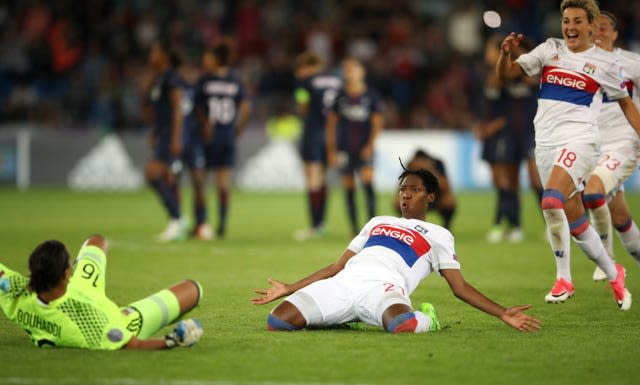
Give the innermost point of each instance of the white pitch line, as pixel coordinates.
(136, 381)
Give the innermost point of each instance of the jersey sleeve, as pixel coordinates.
(533, 61)
(357, 244)
(612, 82)
(12, 286)
(89, 269)
(443, 255)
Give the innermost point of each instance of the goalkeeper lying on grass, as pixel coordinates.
(64, 305)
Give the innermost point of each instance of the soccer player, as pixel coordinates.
(161, 171)
(373, 279)
(620, 147)
(445, 204)
(223, 112)
(65, 305)
(314, 96)
(353, 124)
(574, 75)
(507, 137)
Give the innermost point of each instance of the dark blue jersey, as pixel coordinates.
(318, 92)
(354, 119)
(161, 100)
(219, 98)
(523, 103)
(190, 131)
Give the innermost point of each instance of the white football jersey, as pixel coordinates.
(571, 86)
(614, 126)
(402, 250)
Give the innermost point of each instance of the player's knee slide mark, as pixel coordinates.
(403, 323)
(593, 201)
(624, 227)
(274, 323)
(579, 226)
(552, 199)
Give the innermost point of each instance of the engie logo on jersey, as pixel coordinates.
(396, 232)
(568, 78)
(408, 243)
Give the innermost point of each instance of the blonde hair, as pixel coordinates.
(590, 6)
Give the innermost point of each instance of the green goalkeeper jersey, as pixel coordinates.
(82, 318)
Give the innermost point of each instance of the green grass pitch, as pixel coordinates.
(584, 341)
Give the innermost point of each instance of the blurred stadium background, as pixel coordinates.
(73, 74)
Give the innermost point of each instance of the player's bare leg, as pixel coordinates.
(595, 202)
(157, 175)
(286, 317)
(366, 176)
(349, 184)
(202, 230)
(316, 192)
(624, 225)
(401, 318)
(223, 184)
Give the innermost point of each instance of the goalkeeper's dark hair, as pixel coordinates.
(47, 264)
(429, 181)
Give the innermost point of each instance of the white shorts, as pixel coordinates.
(577, 159)
(347, 297)
(617, 164)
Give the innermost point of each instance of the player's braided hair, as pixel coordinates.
(429, 181)
(47, 264)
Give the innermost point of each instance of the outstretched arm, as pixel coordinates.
(505, 67)
(280, 289)
(513, 316)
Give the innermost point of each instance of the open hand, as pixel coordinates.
(278, 289)
(517, 319)
(510, 42)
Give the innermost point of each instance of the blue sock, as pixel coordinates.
(274, 323)
(403, 323)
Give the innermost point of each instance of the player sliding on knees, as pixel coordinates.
(66, 306)
(381, 267)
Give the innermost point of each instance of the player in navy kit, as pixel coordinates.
(166, 97)
(507, 136)
(352, 127)
(223, 111)
(314, 96)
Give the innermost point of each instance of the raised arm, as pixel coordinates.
(505, 67)
(513, 316)
(98, 241)
(280, 289)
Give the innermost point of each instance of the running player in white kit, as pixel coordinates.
(620, 148)
(372, 280)
(575, 73)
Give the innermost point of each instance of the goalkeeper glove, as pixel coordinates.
(186, 334)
